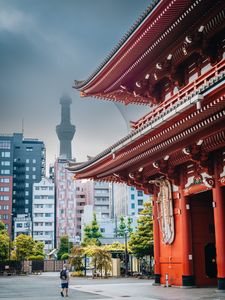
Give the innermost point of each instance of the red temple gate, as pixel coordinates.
(173, 60)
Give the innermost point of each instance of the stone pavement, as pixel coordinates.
(47, 287)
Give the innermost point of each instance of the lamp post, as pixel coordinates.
(126, 252)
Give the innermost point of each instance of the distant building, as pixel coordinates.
(121, 199)
(103, 201)
(28, 168)
(44, 213)
(83, 196)
(128, 201)
(22, 162)
(136, 201)
(22, 225)
(71, 196)
(106, 225)
(6, 180)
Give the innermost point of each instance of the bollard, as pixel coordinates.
(167, 280)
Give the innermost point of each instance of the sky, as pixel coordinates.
(44, 46)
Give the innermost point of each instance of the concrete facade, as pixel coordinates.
(22, 225)
(44, 213)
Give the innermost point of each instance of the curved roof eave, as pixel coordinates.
(80, 84)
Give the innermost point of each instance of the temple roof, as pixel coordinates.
(179, 113)
(158, 41)
(79, 84)
(172, 36)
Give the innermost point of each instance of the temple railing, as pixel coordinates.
(198, 86)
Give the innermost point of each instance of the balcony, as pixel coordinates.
(198, 86)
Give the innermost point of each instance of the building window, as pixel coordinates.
(33, 176)
(132, 188)
(4, 198)
(47, 215)
(48, 205)
(140, 193)
(37, 188)
(44, 188)
(19, 225)
(51, 188)
(38, 205)
(27, 176)
(140, 210)
(5, 154)
(4, 189)
(5, 172)
(5, 163)
(26, 201)
(34, 169)
(27, 161)
(27, 169)
(132, 197)
(38, 215)
(26, 193)
(26, 210)
(4, 180)
(29, 149)
(48, 223)
(5, 144)
(34, 161)
(140, 202)
(133, 205)
(27, 185)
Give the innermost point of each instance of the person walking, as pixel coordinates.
(65, 277)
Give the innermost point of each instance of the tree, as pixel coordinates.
(76, 258)
(92, 233)
(4, 242)
(101, 259)
(38, 248)
(129, 225)
(2, 226)
(141, 241)
(24, 245)
(122, 227)
(64, 246)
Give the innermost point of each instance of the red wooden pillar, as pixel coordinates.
(219, 222)
(187, 255)
(156, 234)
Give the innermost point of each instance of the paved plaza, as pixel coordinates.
(46, 287)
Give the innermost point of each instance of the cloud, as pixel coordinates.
(13, 20)
(44, 46)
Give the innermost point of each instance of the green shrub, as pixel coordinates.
(77, 274)
(65, 256)
(35, 257)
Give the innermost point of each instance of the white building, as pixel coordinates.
(44, 213)
(103, 200)
(22, 225)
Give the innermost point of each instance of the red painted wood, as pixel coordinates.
(202, 234)
(219, 216)
(156, 236)
(187, 269)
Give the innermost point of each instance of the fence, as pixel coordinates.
(36, 266)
